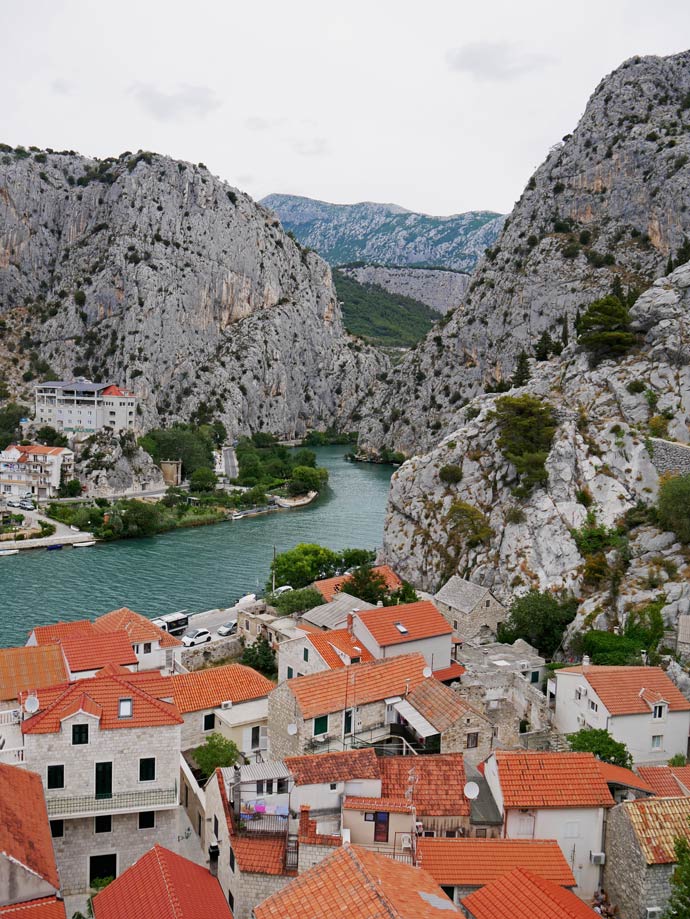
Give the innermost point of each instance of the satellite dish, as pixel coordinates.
(427, 672)
(471, 791)
(292, 729)
(31, 704)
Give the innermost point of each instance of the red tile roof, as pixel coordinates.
(100, 695)
(657, 823)
(326, 644)
(330, 587)
(308, 833)
(521, 894)
(616, 775)
(343, 766)
(56, 631)
(38, 449)
(162, 885)
(386, 805)
(395, 625)
(358, 684)
(96, 651)
(453, 672)
(623, 689)
(476, 862)
(202, 689)
(30, 668)
(667, 781)
(439, 704)
(531, 779)
(138, 628)
(359, 884)
(45, 908)
(24, 829)
(434, 784)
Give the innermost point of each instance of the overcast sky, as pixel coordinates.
(438, 106)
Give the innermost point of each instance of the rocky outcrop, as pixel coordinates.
(439, 288)
(113, 464)
(386, 234)
(602, 460)
(155, 274)
(605, 203)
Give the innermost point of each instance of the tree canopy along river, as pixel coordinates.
(194, 569)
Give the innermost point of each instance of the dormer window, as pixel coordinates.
(401, 628)
(659, 712)
(124, 709)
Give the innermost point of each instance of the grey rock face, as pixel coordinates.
(155, 274)
(386, 234)
(607, 201)
(111, 464)
(440, 289)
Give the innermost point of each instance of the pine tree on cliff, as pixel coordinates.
(521, 374)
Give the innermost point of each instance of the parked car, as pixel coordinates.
(26, 506)
(14, 503)
(196, 637)
(284, 589)
(228, 628)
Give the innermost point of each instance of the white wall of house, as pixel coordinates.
(436, 651)
(328, 796)
(150, 655)
(291, 655)
(235, 723)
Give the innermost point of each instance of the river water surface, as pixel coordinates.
(194, 569)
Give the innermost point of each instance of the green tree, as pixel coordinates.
(404, 594)
(540, 619)
(544, 347)
(354, 558)
(260, 656)
(674, 506)
(526, 428)
(70, 489)
(139, 518)
(185, 442)
(306, 563)
(10, 416)
(50, 437)
(304, 479)
(215, 753)
(367, 584)
(521, 373)
(678, 906)
(295, 601)
(203, 479)
(599, 742)
(604, 329)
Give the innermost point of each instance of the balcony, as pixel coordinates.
(118, 802)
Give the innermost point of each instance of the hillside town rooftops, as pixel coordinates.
(657, 823)
(37, 450)
(497, 657)
(535, 780)
(333, 614)
(95, 651)
(30, 668)
(330, 587)
(666, 781)
(395, 625)
(202, 689)
(137, 627)
(434, 784)
(521, 894)
(58, 631)
(45, 908)
(626, 690)
(437, 704)
(342, 766)
(328, 644)
(625, 778)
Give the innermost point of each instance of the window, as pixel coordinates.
(355, 660)
(124, 709)
(429, 833)
(147, 647)
(259, 786)
(209, 721)
(231, 901)
(56, 776)
(290, 671)
(535, 676)
(321, 725)
(215, 826)
(256, 737)
(103, 823)
(480, 834)
(657, 742)
(305, 654)
(57, 828)
(659, 711)
(232, 860)
(488, 603)
(455, 624)
(593, 706)
(333, 786)
(448, 891)
(246, 624)
(269, 786)
(147, 769)
(147, 820)
(80, 733)
(472, 740)
(282, 786)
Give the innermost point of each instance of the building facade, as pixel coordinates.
(34, 470)
(82, 406)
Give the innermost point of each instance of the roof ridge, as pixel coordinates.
(371, 883)
(175, 905)
(163, 707)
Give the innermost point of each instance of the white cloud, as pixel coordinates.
(496, 60)
(185, 102)
(62, 87)
(312, 146)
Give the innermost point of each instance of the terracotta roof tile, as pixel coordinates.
(308, 834)
(359, 884)
(476, 862)
(38, 449)
(162, 885)
(138, 627)
(532, 779)
(682, 776)
(30, 668)
(93, 652)
(329, 587)
(661, 780)
(439, 704)
(617, 775)
(453, 672)
(56, 631)
(24, 828)
(202, 689)
(395, 625)
(329, 643)
(656, 823)
(436, 783)
(103, 694)
(343, 766)
(45, 908)
(386, 805)
(521, 894)
(358, 684)
(622, 689)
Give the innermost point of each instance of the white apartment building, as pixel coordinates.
(34, 469)
(82, 406)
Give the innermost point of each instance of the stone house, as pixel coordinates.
(108, 754)
(496, 657)
(472, 610)
(258, 622)
(522, 894)
(639, 706)
(561, 796)
(640, 856)
(28, 873)
(461, 866)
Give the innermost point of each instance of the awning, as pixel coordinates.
(414, 719)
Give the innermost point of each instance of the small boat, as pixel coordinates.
(52, 548)
(9, 551)
(85, 544)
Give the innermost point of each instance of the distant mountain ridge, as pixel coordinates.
(387, 234)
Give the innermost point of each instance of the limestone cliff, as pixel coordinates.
(610, 200)
(440, 289)
(156, 274)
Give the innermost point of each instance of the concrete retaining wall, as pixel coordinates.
(195, 658)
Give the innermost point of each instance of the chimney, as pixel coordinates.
(213, 852)
(585, 660)
(350, 620)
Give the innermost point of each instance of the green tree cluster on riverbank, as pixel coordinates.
(309, 562)
(264, 463)
(191, 443)
(129, 519)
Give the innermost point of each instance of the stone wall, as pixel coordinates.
(670, 457)
(454, 739)
(203, 655)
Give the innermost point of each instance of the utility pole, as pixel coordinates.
(274, 570)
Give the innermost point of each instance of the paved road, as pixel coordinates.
(213, 618)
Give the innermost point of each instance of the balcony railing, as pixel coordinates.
(13, 756)
(10, 716)
(88, 805)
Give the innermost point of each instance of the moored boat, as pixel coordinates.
(9, 551)
(85, 544)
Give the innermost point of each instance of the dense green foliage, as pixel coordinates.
(261, 657)
(644, 630)
(264, 462)
(309, 562)
(10, 415)
(526, 426)
(540, 619)
(466, 526)
(50, 437)
(381, 317)
(604, 328)
(674, 506)
(193, 444)
(203, 480)
(329, 436)
(602, 745)
(295, 601)
(678, 906)
(217, 751)
(521, 374)
(70, 489)
(450, 474)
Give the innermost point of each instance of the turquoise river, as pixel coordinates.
(194, 569)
